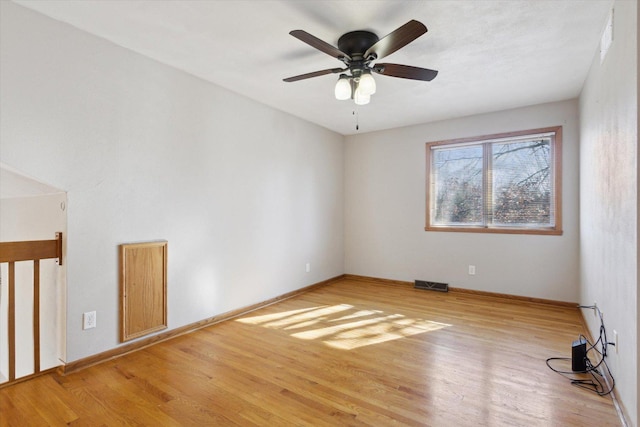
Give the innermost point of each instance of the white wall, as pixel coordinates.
(244, 194)
(385, 212)
(609, 198)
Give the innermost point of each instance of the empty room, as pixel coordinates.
(319, 213)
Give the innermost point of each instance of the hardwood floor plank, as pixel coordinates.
(353, 353)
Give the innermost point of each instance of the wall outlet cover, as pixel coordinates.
(89, 320)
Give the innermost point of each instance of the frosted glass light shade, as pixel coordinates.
(367, 84)
(360, 98)
(343, 88)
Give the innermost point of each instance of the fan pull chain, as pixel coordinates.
(357, 124)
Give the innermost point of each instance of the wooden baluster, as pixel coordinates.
(12, 320)
(36, 316)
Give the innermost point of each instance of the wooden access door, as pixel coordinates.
(143, 289)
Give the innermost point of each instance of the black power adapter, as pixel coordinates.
(579, 355)
(582, 366)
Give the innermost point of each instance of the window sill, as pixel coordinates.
(497, 230)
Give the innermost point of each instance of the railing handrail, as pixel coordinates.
(33, 250)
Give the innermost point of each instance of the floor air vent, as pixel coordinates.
(431, 286)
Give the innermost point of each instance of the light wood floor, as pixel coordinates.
(352, 353)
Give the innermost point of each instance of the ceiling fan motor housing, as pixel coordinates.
(356, 43)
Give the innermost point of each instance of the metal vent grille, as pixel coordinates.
(431, 286)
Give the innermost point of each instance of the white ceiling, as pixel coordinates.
(491, 55)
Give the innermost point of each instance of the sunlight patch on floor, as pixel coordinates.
(348, 328)
(295, 317)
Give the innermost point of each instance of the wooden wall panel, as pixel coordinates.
(143, 289)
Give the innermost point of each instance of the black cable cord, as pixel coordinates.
(597, 381)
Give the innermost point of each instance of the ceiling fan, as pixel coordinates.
(358, 50)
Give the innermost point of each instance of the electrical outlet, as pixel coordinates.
(89, 320)
(308, 267)
(472, 270)
(615, 339)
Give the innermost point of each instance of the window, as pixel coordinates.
(506, 183)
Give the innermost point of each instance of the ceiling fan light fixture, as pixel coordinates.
(343, 88)
(367, 84)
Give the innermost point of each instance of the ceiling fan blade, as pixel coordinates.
(397, 39)
(323, 46)
(314, 74)
(405, 72)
